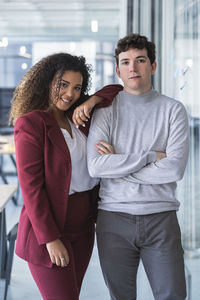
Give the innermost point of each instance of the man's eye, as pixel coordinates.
(125, 63)
(139, 61)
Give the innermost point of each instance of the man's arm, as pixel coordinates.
(171, 168)
(111, 165)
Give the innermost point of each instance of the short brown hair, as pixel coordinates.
(136, 41)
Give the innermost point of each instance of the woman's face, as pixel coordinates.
(70, 90)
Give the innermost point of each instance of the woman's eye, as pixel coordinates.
(63, 85)
(77, 88)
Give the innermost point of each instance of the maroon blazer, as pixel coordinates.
(44, 171)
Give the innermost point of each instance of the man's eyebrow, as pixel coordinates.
(140, 56)
(124, 59)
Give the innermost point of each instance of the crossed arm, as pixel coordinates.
(171, 168)
(141, 168)
(111, 165)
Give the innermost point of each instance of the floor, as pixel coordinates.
(22, 286)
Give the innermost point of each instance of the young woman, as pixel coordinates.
(56, 226)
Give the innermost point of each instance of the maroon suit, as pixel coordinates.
(44, 170)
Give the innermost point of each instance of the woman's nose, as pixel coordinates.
(69, 93)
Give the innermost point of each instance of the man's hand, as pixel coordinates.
(160, 155)
(104, 148)
(82, 112)
(58, 253)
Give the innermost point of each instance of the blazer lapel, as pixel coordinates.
(55, 135)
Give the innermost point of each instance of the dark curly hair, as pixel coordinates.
(136, 41)
(33, 91)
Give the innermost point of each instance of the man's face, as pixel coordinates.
(135, 70)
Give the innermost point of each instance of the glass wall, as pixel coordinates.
(174, 26)
(180, 79)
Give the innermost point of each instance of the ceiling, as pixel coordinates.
(59, 20)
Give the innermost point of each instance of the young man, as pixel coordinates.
(139, 148)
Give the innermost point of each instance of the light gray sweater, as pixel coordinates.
(132, 181)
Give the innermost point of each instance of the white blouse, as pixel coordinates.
(77, 144)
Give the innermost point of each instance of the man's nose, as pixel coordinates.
(133, 66)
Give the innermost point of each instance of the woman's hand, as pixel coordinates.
(82, 112)
(104, 148)
(58, 253)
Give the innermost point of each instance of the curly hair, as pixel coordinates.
(136, 41)
(33, 91)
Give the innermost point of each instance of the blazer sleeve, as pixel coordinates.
(108, 92)
(30, 166)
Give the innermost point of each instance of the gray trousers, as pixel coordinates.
(123, 239)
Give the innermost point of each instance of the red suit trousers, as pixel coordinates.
(65, 283)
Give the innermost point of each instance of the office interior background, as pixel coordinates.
(32, 29)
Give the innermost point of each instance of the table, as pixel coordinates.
(7, 147)
(6, 193)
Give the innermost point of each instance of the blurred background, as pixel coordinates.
(32, 29)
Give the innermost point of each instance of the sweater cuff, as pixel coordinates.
(151, 158)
